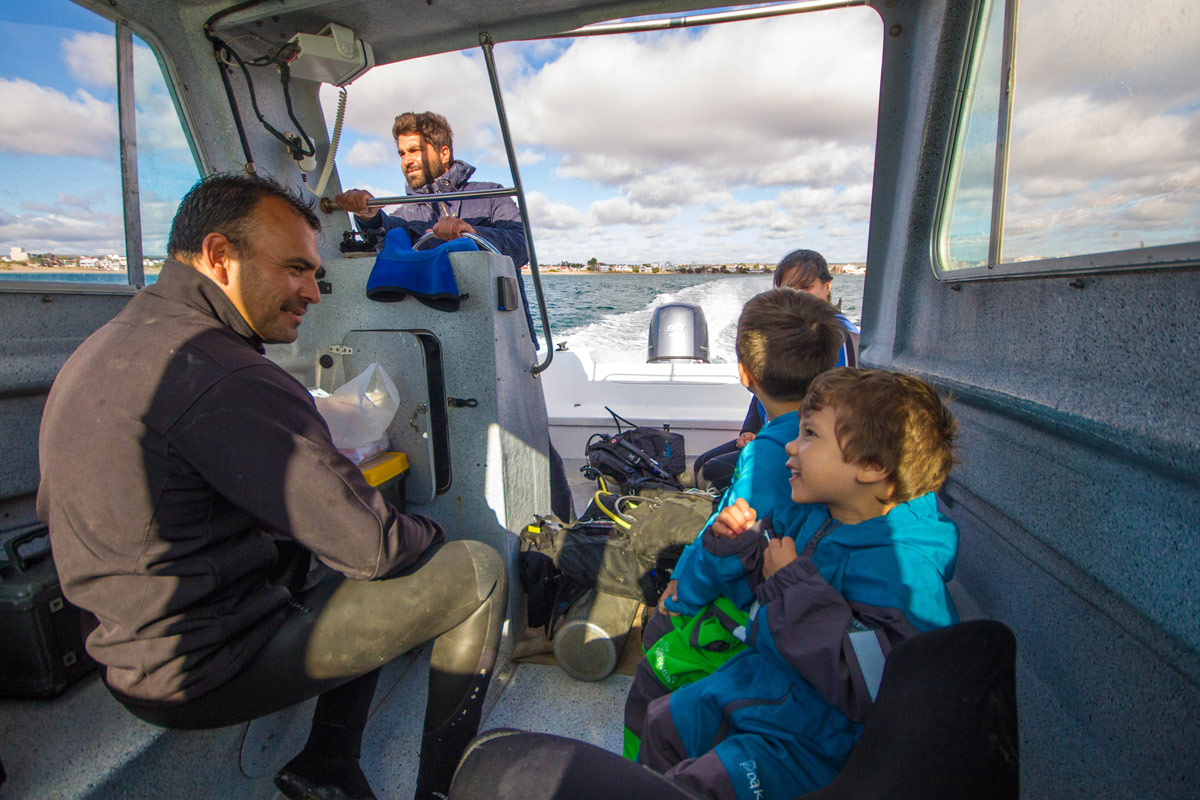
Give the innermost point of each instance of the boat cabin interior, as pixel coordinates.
(1072, 359)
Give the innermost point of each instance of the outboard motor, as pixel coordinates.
(678, 332)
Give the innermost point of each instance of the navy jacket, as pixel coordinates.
(495, 219)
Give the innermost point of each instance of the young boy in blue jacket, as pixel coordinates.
(785, 338)
(779, 719)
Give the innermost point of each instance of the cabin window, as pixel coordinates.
(1088, 157)
(93, 152)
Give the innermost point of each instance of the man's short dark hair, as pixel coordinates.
(800, 269)
(432, 127)
(224, 204)
(785, 338)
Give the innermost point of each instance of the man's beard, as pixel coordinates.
(431, 169)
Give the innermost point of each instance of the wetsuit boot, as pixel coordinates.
(327, 768)
(460, 669)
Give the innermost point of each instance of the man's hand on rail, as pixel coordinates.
(355, 201)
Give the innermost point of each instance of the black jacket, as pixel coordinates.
(174, 455)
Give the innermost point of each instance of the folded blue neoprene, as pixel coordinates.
(400, 271)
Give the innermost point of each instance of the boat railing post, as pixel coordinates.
(485, 42)
(1003, 124)
(126, 112)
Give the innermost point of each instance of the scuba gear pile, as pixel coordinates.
(637, 458)
(623, 547)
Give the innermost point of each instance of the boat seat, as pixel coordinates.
(944, 727)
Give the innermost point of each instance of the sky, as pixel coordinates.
(724, 144)
(734, 142)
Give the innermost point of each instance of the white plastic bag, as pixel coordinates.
(360, 410)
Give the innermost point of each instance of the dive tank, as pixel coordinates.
(678, 332)
(590, 637)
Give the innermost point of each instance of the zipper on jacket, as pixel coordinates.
(823, 531)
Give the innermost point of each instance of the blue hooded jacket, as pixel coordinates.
(819, 633)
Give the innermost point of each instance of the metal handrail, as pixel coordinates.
(694, 20)
(485, 42)
(328, 206)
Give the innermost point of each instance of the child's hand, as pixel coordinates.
(734, 519)
(745, 439)
(669, 592)
(779, 553)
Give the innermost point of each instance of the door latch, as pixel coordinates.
(421, 409)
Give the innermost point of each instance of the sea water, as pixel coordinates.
(612, 312)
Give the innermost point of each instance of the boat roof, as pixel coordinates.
(433, 26)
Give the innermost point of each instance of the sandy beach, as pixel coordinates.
(15, 267)
(551, 271)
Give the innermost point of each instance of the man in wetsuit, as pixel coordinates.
(179, 466)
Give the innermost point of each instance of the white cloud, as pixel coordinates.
(738, 216)
(1142, 51)
(75, 201)
(91, 58)
(777, 103)
(610, 170)
(49, 231)
(547, 216)
(45, 121)
(596, 105)
(530, 156)
(1105, 147)
(1078, 137)
(673, 187)
(821, 162)
(618, 210)
(369, 154)
(454, 85)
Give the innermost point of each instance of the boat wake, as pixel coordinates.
(623, 335)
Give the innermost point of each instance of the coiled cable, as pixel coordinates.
(327, 172)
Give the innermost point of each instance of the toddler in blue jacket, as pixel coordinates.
(785, 338)
(871, 568)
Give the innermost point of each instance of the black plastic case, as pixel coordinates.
(42, 634)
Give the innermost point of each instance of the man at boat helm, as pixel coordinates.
(425, 144)
(185, 479)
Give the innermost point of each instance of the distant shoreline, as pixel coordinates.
(84, 271)
(66, 270)
(643, 273)
(646, 272)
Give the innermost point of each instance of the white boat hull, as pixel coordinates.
(704, 402)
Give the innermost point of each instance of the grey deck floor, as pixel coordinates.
(532, 697)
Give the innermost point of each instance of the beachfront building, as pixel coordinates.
(18, 254)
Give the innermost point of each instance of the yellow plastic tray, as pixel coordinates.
(380, 469)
